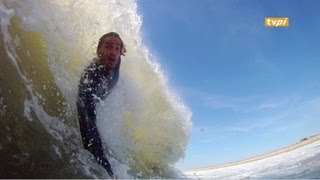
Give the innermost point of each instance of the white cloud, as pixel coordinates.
(247, 104)
(256, 124)
(308, 112)
(216, 102)
(257, 115)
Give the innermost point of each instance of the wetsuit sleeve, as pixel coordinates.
(116, 71)
(87, 120)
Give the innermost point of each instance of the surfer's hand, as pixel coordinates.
(106, 165)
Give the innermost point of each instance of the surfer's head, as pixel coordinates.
(109, 49)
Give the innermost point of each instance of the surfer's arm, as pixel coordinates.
(87, 121)
(89, 132)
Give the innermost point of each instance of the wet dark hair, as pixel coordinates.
(112, 34)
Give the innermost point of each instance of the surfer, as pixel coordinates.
(96, 83)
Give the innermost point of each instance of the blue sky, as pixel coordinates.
(251, 89)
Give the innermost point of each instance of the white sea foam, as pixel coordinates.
(143, 117)
(292, 164)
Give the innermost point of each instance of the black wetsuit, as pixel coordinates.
(96, 83)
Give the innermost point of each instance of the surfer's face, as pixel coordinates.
(109, 52)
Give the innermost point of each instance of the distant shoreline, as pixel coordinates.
(301, 143)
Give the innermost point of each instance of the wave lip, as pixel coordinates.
(47, 45)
